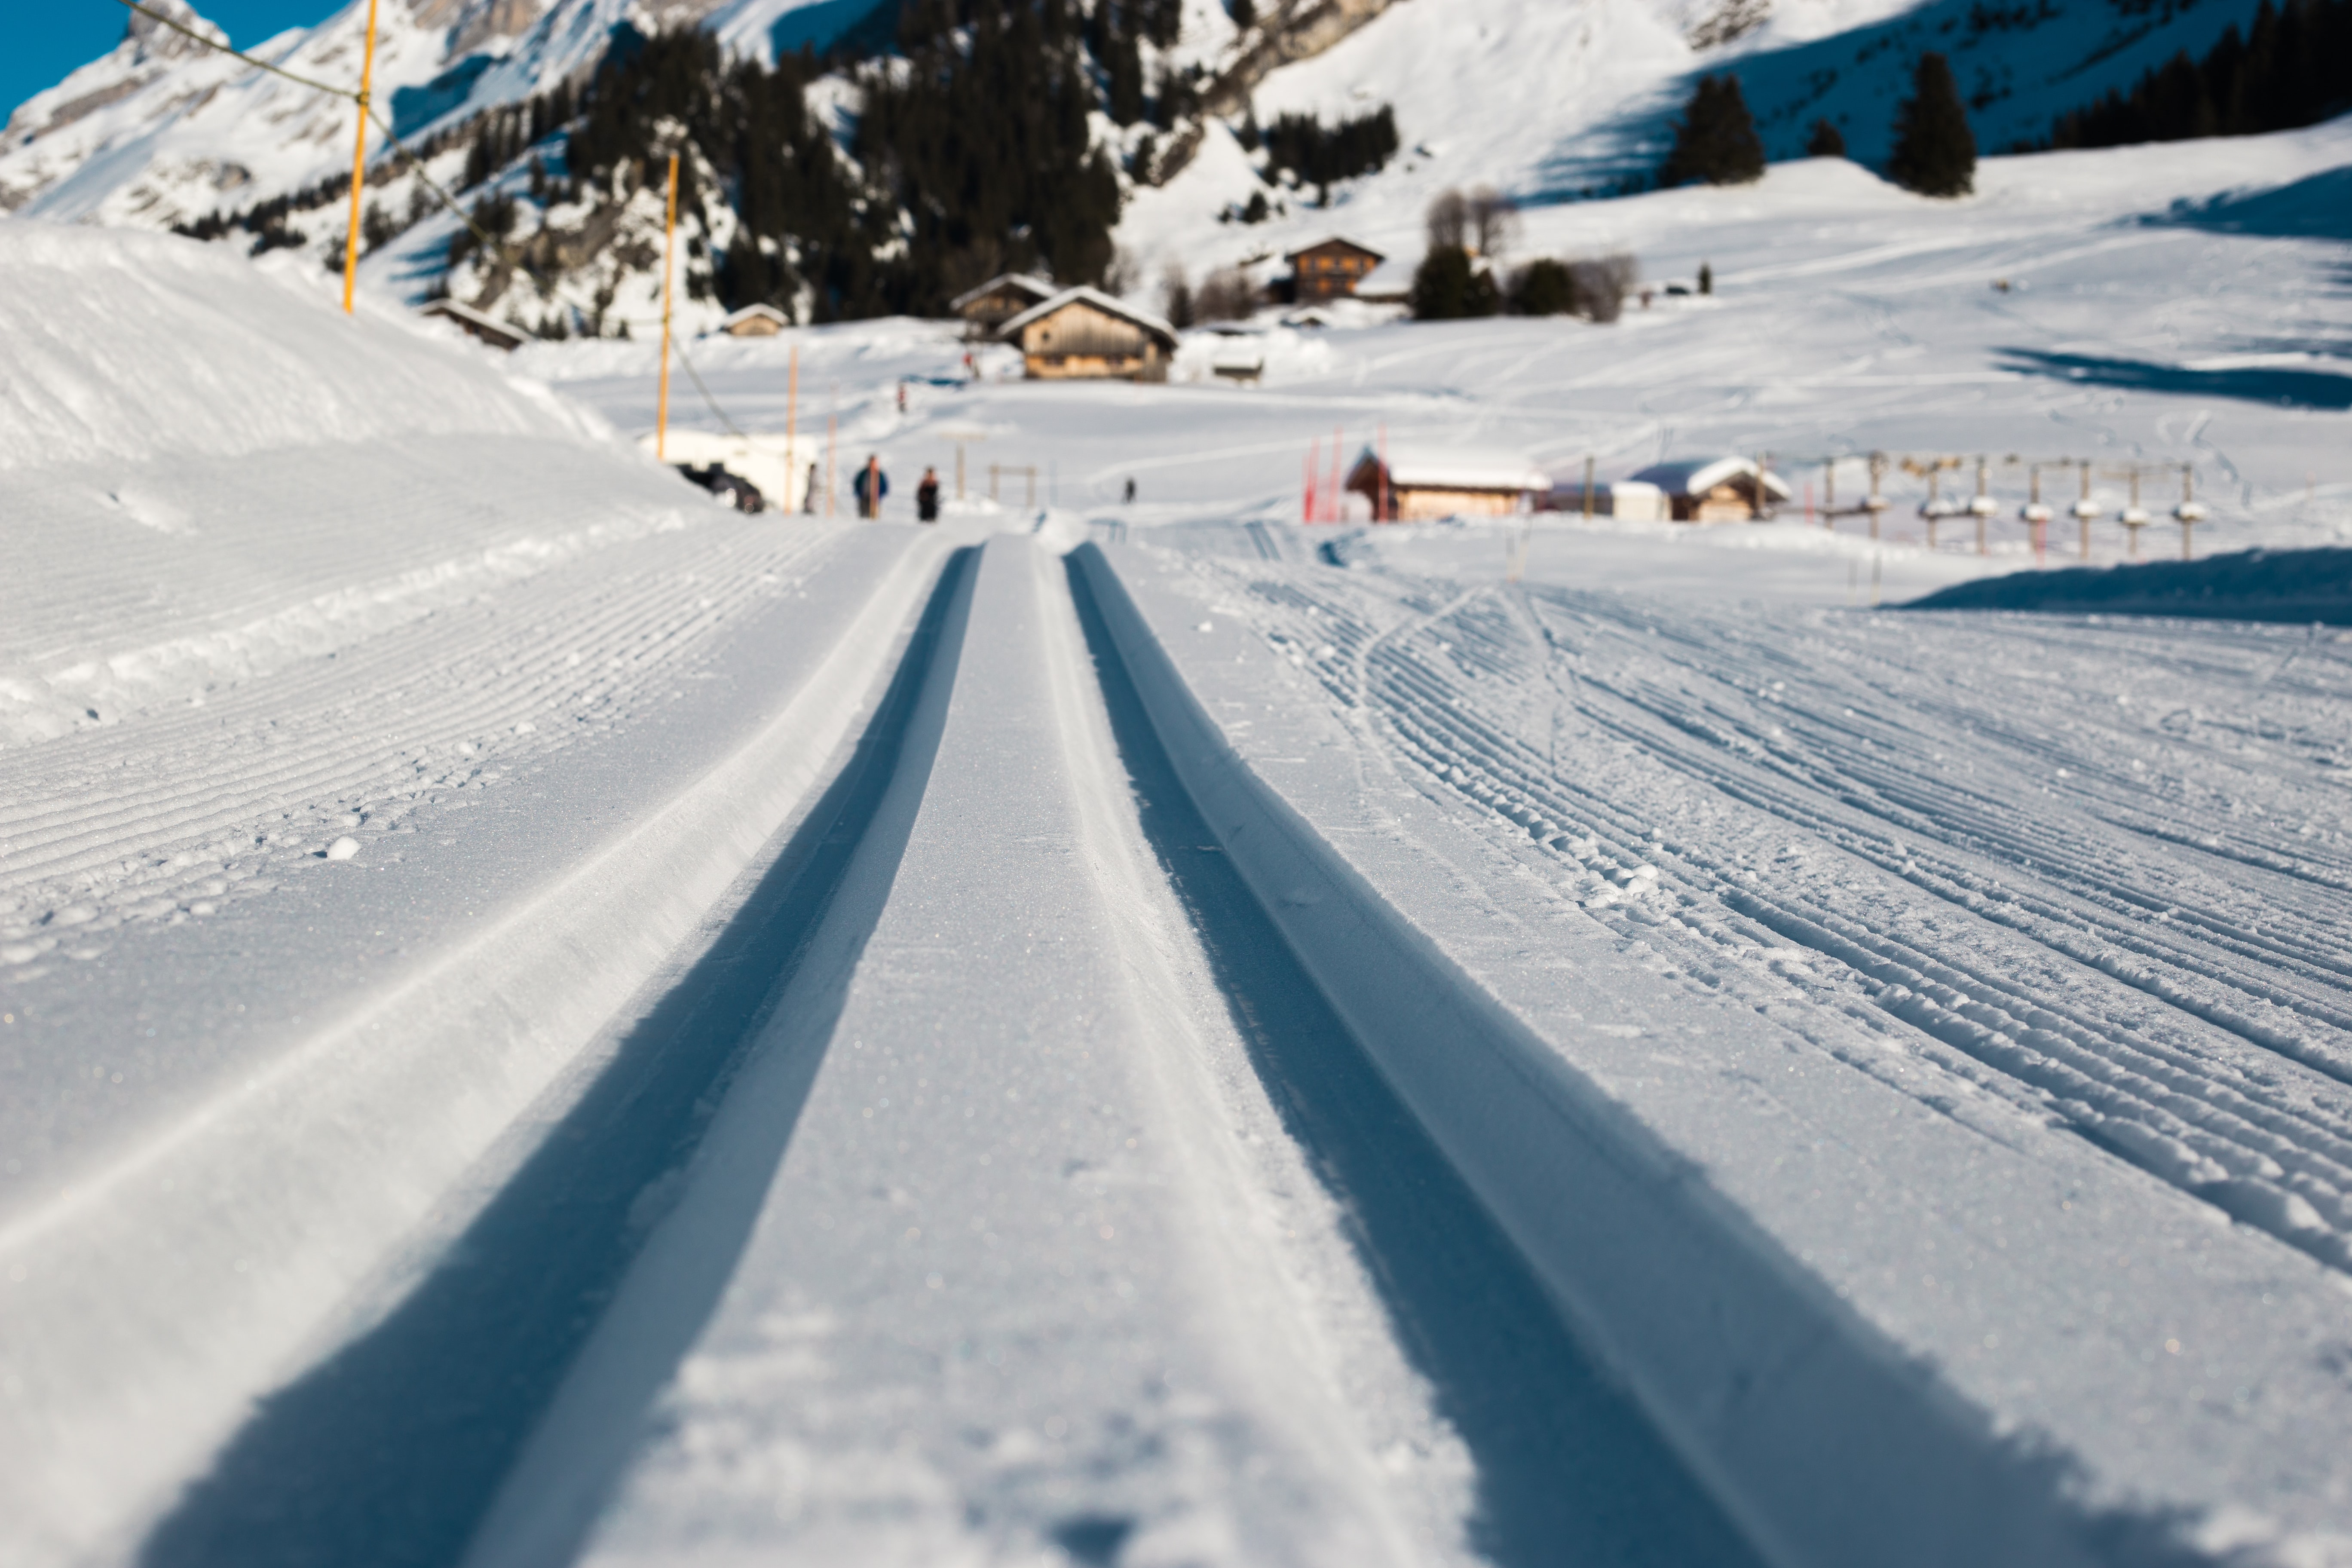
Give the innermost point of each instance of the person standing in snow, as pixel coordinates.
(870, 486)
(808, 494)
(1130, 492)
(927, 497)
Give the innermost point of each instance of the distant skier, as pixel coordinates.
(902, 397)
(1130, 491)
(870, 486)
(927, 497)
(808, 496)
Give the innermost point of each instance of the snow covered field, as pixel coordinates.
(546, 1020)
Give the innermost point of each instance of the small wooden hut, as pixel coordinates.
(986, 309)
(755, 321)
(1716, 489)
(1422, 485)
(1085, 333)
(489, 329)
(1330, 269)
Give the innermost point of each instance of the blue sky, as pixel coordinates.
(46, 41)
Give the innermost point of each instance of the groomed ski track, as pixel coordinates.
(1059, 1127)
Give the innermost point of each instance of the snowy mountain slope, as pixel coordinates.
(157, 133)
(1549, 104)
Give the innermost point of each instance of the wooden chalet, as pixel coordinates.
(1421, 486)
(1716, 489)
(755, 321)
(489, 329)
(1330, 269)
(986, 309)
(1085, 333)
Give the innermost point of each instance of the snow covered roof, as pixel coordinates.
(1388, 281)
(489, 329)
(1108, 304)
(1027, 283)
(756, 312)
(1331, 239)
(1459, 468)
(1696, 476)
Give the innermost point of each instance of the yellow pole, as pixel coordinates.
(792, 427)
(669, 241)
(359, 164)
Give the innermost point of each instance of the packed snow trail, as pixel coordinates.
(1009, 1255)
(1986, 967)
(390, 1450)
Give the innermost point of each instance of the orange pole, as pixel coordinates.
(359, 163)
(1313, 461)
(669, 244)
(792, 425)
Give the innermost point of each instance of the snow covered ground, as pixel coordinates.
(547, 1020)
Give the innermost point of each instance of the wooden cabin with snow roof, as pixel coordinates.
(986, 309)
(1330, 269)
(1716, 489)
(1422, 485)
(1085, 333)
(756, 320)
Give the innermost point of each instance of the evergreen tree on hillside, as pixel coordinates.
(980, 138)
(2275, 77)
(1446, 288)
(1935, 151)
(1716, 140)
(1826, 142)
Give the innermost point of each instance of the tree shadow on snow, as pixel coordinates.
(2255, 384)
(392, 1450)
(1568, 1470)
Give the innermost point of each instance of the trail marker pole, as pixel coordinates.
(669, 244)
(1874, 502)
(2188, 511)
(1313, 461)
(2134, 516)
(359, 163)
(832, 445)
(1829, 496)
(1933, 511)
(792, 427)
(2084, 511)
(2036, 515)
(1588, 464)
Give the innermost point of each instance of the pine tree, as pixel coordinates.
(1826, 142)
(1446, 287)
(1934, 152)
(1716, 140)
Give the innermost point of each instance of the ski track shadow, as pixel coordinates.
(2254, 384)
(388, 1453)
(1569, 1468)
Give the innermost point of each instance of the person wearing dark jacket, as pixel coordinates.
(927, 497)
(870, 486)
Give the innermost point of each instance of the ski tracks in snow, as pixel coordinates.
(196, 804)
(2129, 837)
